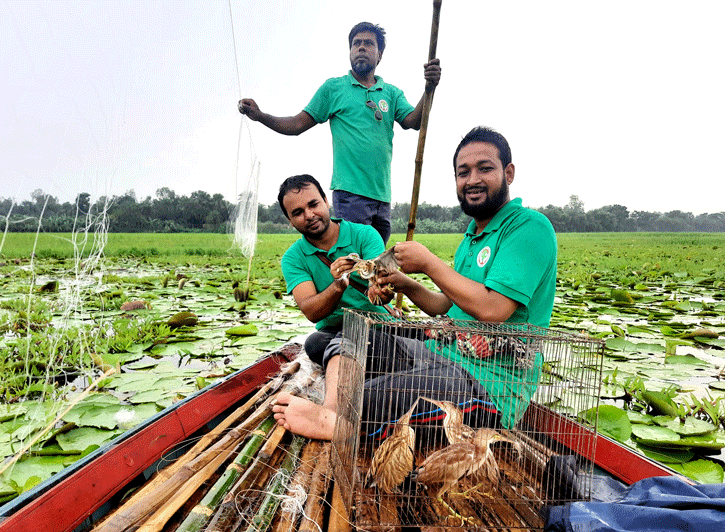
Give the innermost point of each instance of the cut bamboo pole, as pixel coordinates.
(160, 492)
(201, 513)
(301, 481)
(276, 486)
(314, 509)
(204, 442)
(226, 515)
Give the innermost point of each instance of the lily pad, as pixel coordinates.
(654, 435)
(667, 456)
(691, 426)
(248, 329)
(613, 421)
(703, 471)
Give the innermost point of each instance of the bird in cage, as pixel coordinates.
(447, 466)
(369, 269)
(393, 460)
(456, 431)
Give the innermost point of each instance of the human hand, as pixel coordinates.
(340, 270)
(412, 257)
(432, 72)
(380, 294)
(249, 107)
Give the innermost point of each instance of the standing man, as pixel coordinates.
(504, 271)
(361, 109)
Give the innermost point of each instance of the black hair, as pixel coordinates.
(486, 134)
(295, 184)
(368, 26)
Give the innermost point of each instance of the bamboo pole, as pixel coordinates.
(155, 497)
(200, 514)
(427, 104)
(279, 482)
(314, 510)
(227, 515)
(301, 481)
(205, 441)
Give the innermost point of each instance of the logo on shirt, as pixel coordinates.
(483, 257)
(383, 105)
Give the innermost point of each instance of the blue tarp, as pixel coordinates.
(658, 504)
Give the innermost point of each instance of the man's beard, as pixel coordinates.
(485, 210)
(361, 68)
(316, 235)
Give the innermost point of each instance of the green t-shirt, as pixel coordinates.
(362, 147)
(515, 255)
(300, 264)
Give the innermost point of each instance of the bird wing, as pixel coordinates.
(385, 262)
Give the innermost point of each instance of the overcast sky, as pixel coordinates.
(618, 102)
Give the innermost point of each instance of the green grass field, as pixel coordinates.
(580, 254)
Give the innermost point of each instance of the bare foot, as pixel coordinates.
(303, 417)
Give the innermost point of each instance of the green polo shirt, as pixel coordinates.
(362, 147)
(300, 264)
(515, 255)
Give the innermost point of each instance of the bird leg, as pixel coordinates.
(455, 514)
(475, 489)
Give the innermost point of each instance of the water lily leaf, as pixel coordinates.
(613, 421)
(621, 296)
(667, 456)
(668, 331)
(659, 403)
(691, 426)
(703, 471)
(31, 471)
(700, 332)
(248, 329)
(654, 435)
(717, 385)
(617, 330)
(639, 418)
(620, 344)
(689, 360)
(80, 438)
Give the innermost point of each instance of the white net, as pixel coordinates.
(244, 218)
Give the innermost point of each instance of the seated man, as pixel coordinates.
(504, 271)
(318, 284)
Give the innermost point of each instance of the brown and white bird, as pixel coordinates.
(456, 431)
(449, 465)
(393, 460)
(370, 269)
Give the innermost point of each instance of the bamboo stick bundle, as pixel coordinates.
(314, 510)
(130, 515)
(301, 481)
(226, 517)
(201, 513)
(203, 443)
(276, 486)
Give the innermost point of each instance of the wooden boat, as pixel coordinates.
(77, 497)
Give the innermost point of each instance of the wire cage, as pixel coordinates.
(448, 423)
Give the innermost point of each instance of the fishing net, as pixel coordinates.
(244, 217)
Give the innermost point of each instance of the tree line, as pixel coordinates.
(169, 212)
